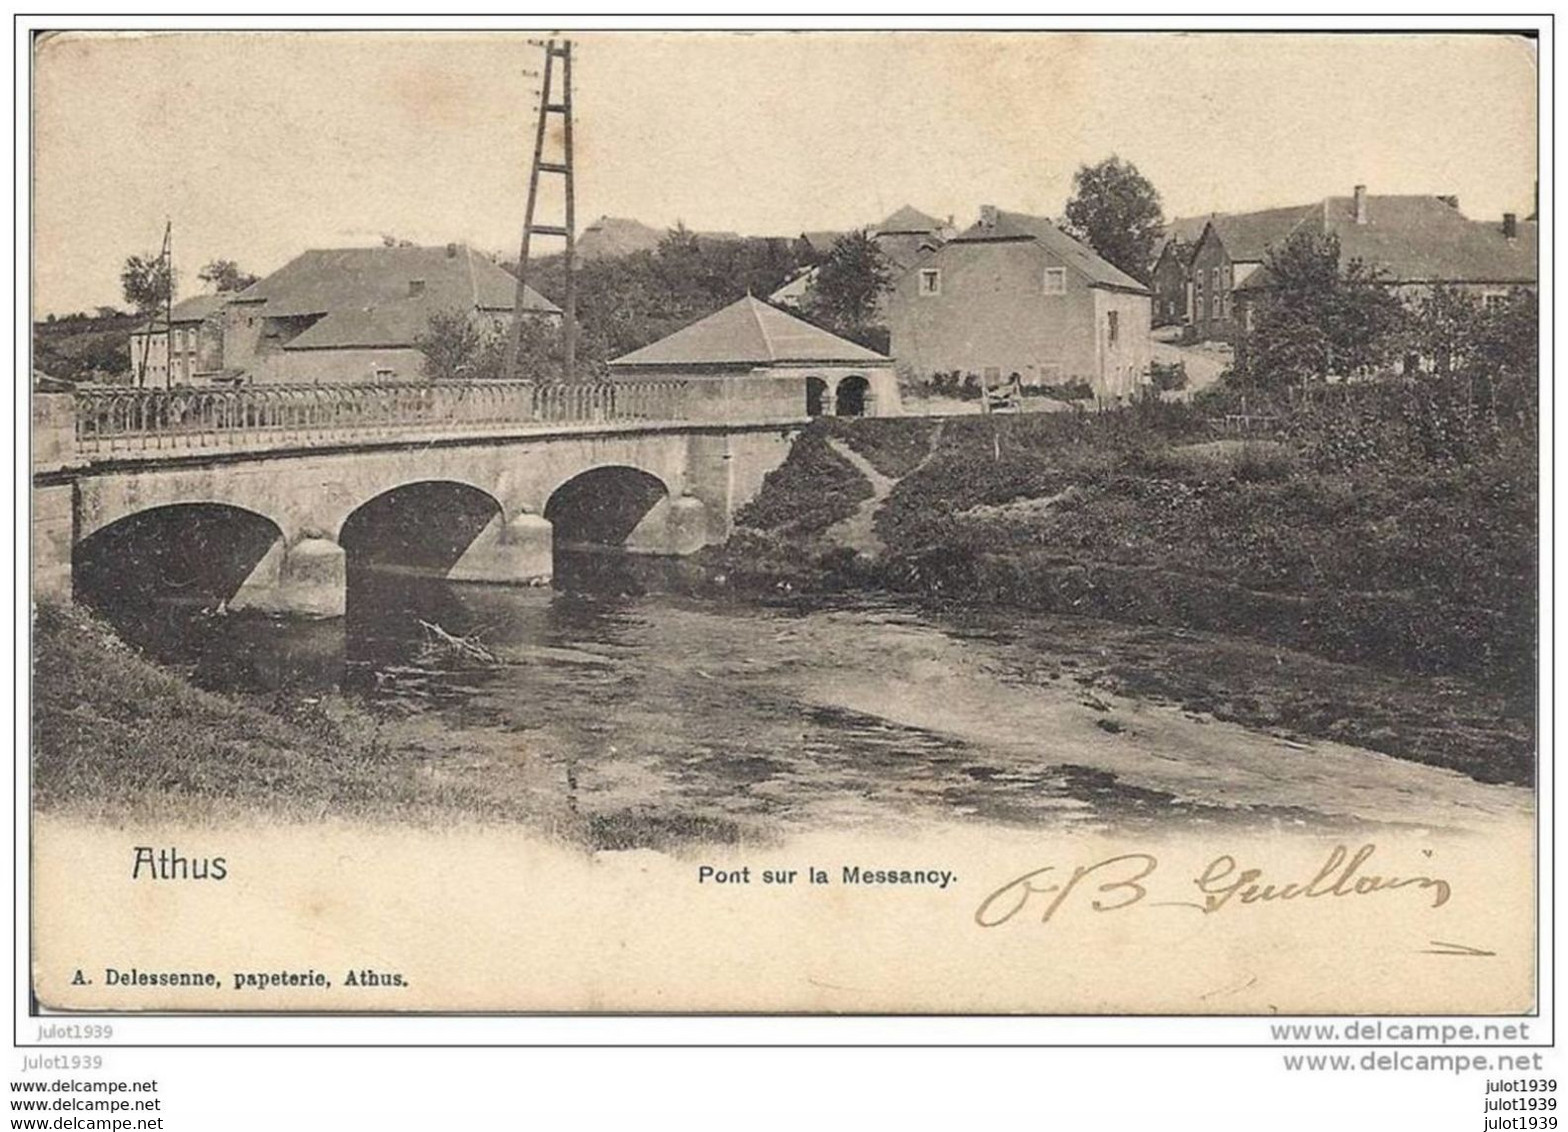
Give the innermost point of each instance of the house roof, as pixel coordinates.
(1421, 239)
(1248, 235)
(748, 332)
(393, 325)
(194, 309)
(326, 280)
(1183, 229)
(1016, 226)
(908, 220)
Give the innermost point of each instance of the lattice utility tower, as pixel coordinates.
(549, 104)
(165, 265)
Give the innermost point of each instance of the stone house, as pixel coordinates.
(352, 315)
(194, 329)
(750, 360)
(1014, 294)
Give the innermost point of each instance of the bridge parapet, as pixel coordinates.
(111, 421)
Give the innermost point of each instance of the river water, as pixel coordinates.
(732, 714)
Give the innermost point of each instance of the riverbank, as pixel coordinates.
(1382, 599)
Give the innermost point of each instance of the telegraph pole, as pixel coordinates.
(549, 104)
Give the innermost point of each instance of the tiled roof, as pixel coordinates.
(393, 325)
(1421, 239)
(1186, 229)
(748, 332)
(322, 281)
(1247, 236)
(1011, 226)
(194, 309)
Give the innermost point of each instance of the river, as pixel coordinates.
(737, 715)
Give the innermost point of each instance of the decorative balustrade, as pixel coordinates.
(138, 420)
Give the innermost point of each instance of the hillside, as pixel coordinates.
(84, 347)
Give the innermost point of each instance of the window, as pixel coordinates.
(416, 287)
(1112, 327)
(383, 374)
(1494, 300)
(930, 281)
(1056, 281)
(1214, 279)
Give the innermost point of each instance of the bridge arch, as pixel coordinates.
(604, 505)
(152, 571)
(422, 526)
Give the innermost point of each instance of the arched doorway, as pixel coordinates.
(816, 396)
(853, 393)
(156, 574)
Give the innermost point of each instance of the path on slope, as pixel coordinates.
(858, 532)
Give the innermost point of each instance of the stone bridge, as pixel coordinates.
(269, 497)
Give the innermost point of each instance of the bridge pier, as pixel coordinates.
(676, 526)
(308, 579)
(519, 552)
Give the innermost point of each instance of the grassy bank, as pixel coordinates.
(117, 738)
(1381, 542)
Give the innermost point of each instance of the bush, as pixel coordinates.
(1168, 378)
(809, 492)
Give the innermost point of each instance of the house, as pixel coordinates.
(1015, 294)
(1415, 243)
(350, 315)
(1230, 249)
(1171, 276)
(196, 328)
(908, 233)
(902, 238)
(790, 367)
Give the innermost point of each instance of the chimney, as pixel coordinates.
(988, 216)
(1511, 225)
(1361, 204)
(451, 251)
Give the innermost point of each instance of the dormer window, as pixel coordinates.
(930, 281)
(1056, 281)
(416, 287)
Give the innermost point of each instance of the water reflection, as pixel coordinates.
(643, 707)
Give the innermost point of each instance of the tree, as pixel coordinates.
(224, 275)
(1117, 212)
(847, 294)
(147, 282)
(451, 343)
(1316, 318)
(459, 347)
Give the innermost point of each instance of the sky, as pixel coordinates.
(260, 145)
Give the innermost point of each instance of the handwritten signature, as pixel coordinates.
(1124, 880)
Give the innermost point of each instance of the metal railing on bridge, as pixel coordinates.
(139, 420)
